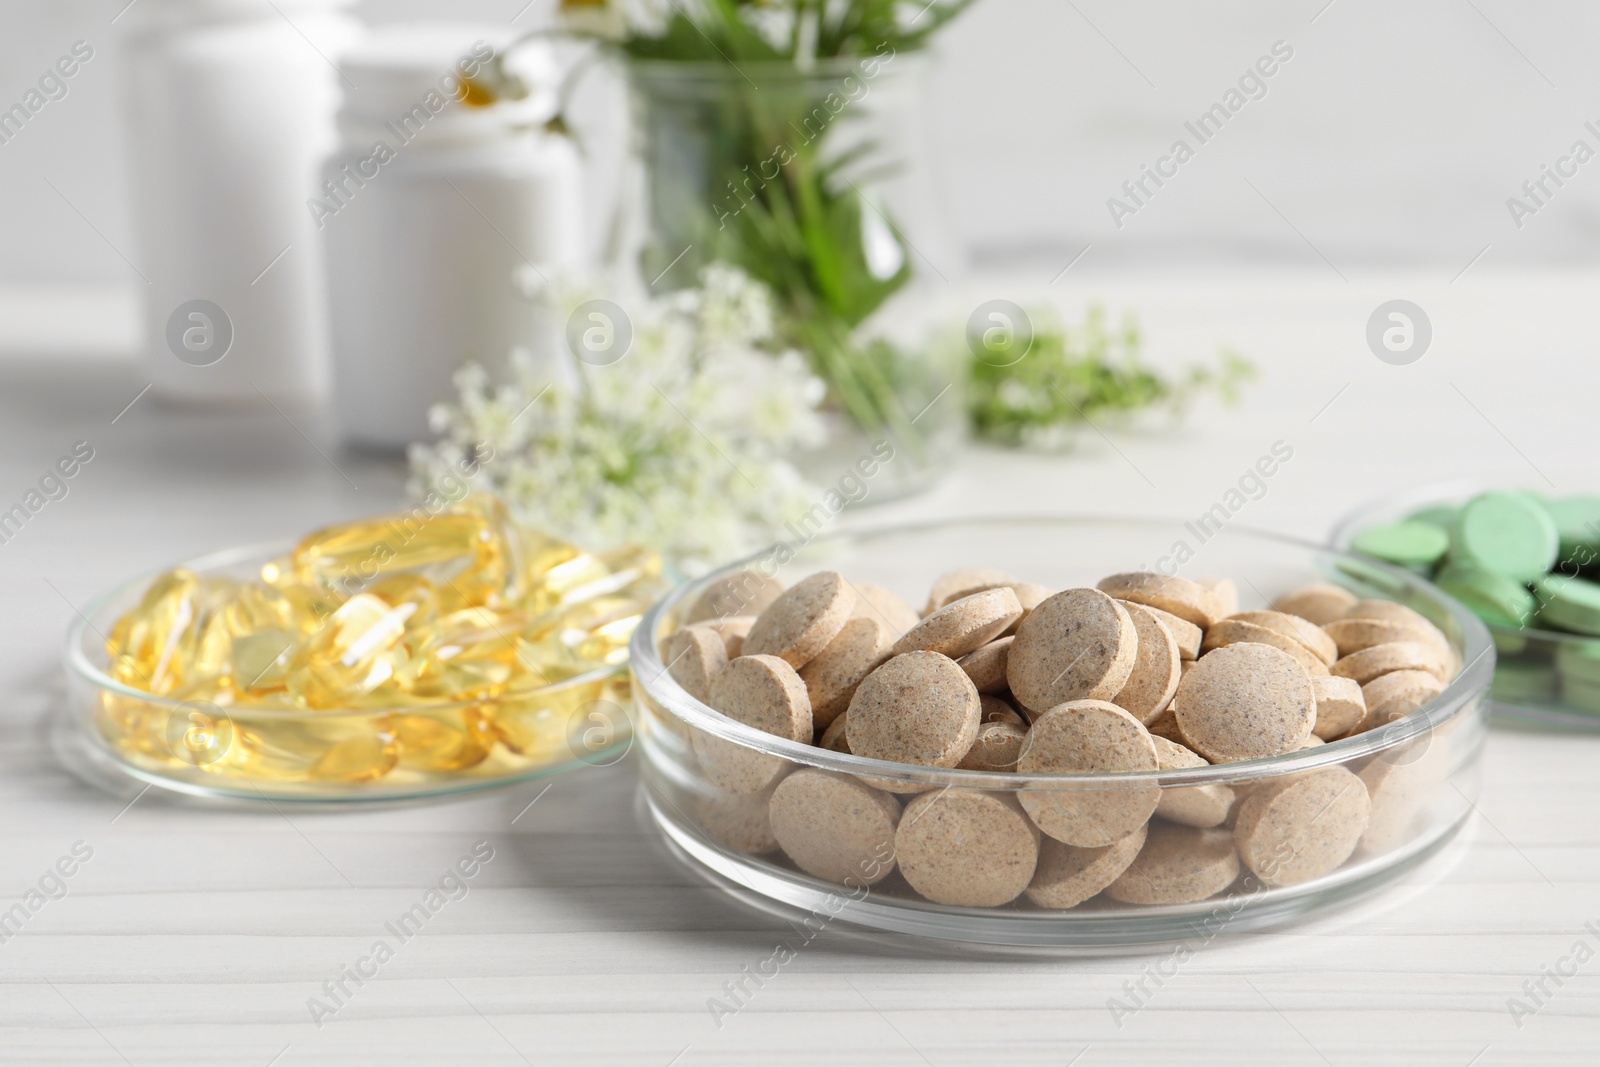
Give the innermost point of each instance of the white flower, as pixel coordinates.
(683, 444)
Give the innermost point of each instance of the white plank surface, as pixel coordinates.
(197, 936)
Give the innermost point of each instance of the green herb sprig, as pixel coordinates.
(1039, 395)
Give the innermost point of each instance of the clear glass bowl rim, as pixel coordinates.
(1471, 682)
(76, 659)
(1365, 514)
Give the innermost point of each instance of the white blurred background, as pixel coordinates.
(1391, 139)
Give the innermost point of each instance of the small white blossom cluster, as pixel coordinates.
(684, 444)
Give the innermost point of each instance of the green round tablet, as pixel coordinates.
(1578, 522)
(1585, 696)
(1441, 515)
(1507, 643)
(1409, 544)
(1492, 597)
(1570, 603)
(1523, 681)
(1508, 533)
(1579, 659)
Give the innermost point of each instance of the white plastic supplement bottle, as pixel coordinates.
(230, 107)
(429, 211)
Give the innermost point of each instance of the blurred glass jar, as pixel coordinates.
(230, 107)
(814, 182)
(434, 202)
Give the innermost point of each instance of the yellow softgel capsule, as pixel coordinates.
(361, 758)
(133, 725)
(590, 634)
(536, 724)
(351, 655)
(587, 575)
(275, 747)
(260, 661)
(150, 647)
(222, 614)
(449, 740)
(280, 571)
(468, 653)
(348, 558)
(401, 589)
(247, 634)
(308, 607)
(497, 576)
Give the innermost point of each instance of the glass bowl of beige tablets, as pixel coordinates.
(426, 654)
(1526, 562)
(1060, 733)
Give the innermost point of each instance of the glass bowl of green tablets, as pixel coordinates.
(1525, 561)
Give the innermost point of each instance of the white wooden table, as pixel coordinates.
(197, 937)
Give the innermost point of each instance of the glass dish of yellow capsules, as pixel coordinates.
(420, 654)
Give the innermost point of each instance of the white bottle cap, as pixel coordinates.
(409, 75)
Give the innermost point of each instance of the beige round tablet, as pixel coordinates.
(1233, 632)
(1303, 827)
(1314, 638)
(1318, 603)
(1185, 634)
(995, 709)
(876, 602)
(744, 593)
(917, 708)
(1166, 725)
(1031, 594)
(1243, 702)
(1088, 736)
(833, 674)
(1410, 625)
(964, 625)
(1391, 696)
(695, 656)
(1078, 645)
(763, 692)
(1226, 592)
(736, 821)
(1389, 610)
(1379, 660)
(1067, 875)
(1178, 865)
(1340, 706)
(1357, 635)
(966, 848)
(1191, 805)
(802, 620)
(833, 738)
(986, 666)
(1378, 622)
(953, 585)
(1156, 667)
(1178, 596)
(1400, 793)
(996, 749)
(731, 630)
(835, 828)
